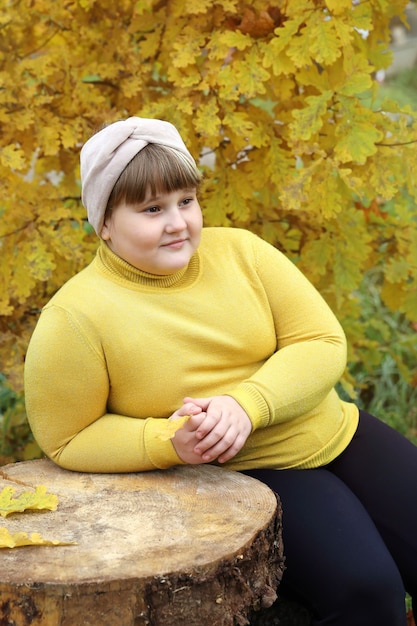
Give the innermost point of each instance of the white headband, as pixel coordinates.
(105, 155)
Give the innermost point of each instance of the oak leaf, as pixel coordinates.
(28, 500)
(309, 119)
(326, 42)
(357, 141)
(19, 539)
(207, 118)
(166, 429)
(12, 156)
(256, 25)
(339, 6)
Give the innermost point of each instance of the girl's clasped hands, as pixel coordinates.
(217, 430)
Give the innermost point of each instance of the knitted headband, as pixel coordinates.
(105, 155)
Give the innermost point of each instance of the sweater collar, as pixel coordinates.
(121, 271)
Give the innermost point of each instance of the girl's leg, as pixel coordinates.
(380, 467)
(336, 561)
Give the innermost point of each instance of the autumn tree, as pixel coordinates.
(278, 101)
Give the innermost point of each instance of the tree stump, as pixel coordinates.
(189, 546)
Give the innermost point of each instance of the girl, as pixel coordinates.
(173, 320)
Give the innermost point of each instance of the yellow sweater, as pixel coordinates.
(116, 350)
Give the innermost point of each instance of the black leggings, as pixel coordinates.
(350, 530)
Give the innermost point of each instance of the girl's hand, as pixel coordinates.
(188, 408)
(184, 440)
(223, 430)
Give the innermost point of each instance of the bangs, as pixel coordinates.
(156, 169)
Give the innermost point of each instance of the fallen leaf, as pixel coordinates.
(28, 500)
(19, 539)
(168, 428)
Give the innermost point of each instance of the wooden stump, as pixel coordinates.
(189, 546)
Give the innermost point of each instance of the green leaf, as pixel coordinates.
(91, 78)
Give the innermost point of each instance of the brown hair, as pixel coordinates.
(155, 169)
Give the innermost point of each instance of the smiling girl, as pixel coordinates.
(172, 319)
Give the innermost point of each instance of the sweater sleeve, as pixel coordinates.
(311, 346)
(66, 391)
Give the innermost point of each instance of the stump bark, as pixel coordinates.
(189, 546)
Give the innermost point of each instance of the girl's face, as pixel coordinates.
(159, 235)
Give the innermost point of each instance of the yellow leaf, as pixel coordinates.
(247, 78)
(38, 260)
(277, 162)
(236, 39)
(215, 195)
(357, 142)
(207, 120)
(393, 295)
(141, 6)
(356, 84)
(325, 44)
(187, 49)
(238, 123)
(50, 137)
(86, 4)
(28, 500)
(148, 48)
(13, 157)
(397, 270)
(317, 256)
(310, 119)
(296, 190)
(310, 75)
(167, 429)
(329, 187)
(68, 137)
(358, 74)
(220, 44)
(17, 540)
(274, 57)
(339, 6)
(286, 33)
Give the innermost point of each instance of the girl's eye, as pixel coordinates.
(152, 209)
(186, 201)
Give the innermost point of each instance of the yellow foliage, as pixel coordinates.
(20, 539)
(12, 157)
(167, 428)
(271, 94)
(28, 500)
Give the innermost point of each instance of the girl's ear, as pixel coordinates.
(105, 233)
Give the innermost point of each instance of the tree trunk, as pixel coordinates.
(188, 546)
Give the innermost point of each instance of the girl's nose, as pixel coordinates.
(176, 221)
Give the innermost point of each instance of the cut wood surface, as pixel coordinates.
(194, 545)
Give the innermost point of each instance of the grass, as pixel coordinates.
(16, 439)
(401, 88)
(387, 386)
